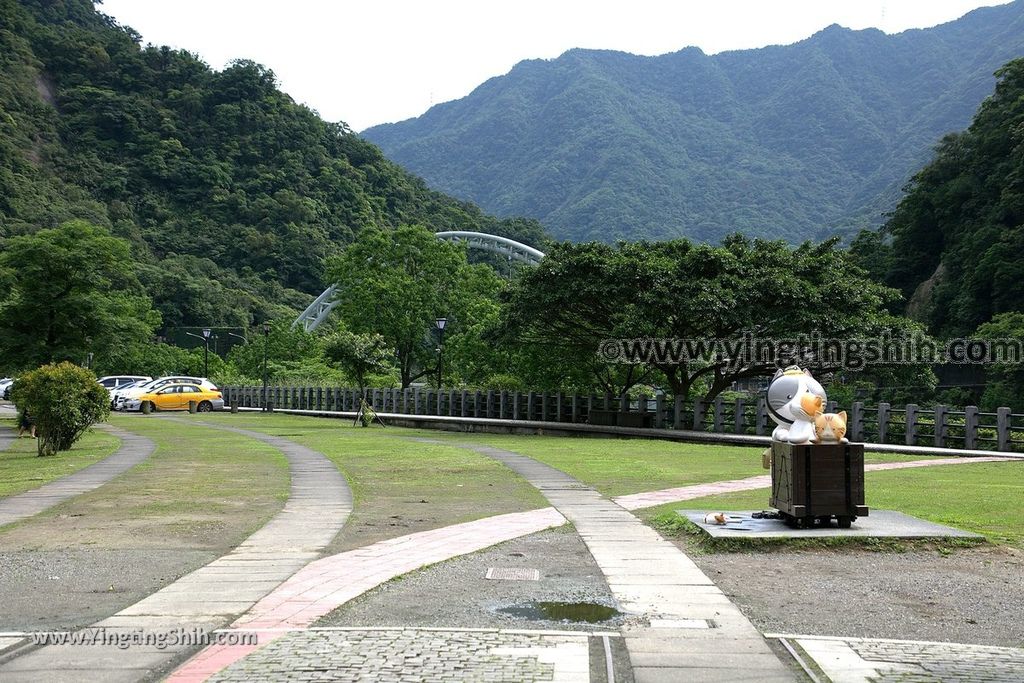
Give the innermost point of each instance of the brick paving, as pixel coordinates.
(324, 585)
(318, 505)
(647, 499)
(134, 449)
(446, 655)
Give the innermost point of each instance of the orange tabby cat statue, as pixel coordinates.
(830, 428)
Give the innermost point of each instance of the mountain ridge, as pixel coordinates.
(794, 141)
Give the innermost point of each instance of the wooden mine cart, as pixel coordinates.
(812, 483)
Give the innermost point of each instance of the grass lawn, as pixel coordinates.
(202, 488)
(985, 498)
(620, 466)
(400, 486)
(21, 469)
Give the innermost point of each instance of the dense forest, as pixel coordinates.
(230, 194)
(793, 142)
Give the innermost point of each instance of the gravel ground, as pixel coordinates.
(971, 595)
(54, 590)
(455, 593)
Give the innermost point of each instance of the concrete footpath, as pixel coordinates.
(134, 449)
(695, 632)
(318, 505)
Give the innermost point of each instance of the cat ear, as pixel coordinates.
(843, 415)
(807, 372)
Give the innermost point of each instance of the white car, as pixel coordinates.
(114, 382)
(5, 387)
(123, 396)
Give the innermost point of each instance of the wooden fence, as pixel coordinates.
(938, 426)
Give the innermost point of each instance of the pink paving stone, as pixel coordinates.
(648, 499)
(324, 585)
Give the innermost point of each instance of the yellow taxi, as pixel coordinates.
(178, 396)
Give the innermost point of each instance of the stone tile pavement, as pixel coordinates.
(318, 505)
(865, 660)
(134, 449)
(436, 655)
(324, 585)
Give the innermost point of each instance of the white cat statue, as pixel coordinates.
(794, 398)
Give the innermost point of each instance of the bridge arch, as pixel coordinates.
(317, 312)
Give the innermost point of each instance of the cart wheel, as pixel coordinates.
(844, 521)
(823, 521)
(791, 521)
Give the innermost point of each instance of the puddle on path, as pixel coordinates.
(579, 612)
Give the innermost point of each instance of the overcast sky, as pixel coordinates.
(374, 61)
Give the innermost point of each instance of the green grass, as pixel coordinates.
(617, 467)
(400, 485)
(22, 470)
(201, 488)
(985, 498)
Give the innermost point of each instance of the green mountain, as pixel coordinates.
(794, 141)
(230, 193)
(955, 243)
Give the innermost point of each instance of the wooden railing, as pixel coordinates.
(913, 425)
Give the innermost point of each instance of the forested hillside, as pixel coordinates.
(230, 193)
(955, 244)
(797, 141)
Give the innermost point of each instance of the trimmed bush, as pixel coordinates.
(63, 400)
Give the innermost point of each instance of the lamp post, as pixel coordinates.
(266, 343)
(440, 322)
(206, 351)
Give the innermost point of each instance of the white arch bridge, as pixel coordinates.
(322, 306)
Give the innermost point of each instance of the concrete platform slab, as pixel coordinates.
(879, 524)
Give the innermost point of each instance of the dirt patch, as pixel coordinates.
(456, 594)
(966, 595)
(57, 590)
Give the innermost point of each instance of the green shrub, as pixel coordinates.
(63, 400)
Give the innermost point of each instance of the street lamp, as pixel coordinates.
(206, 351)
(266, 343)
(440, 322)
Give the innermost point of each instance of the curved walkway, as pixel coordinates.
(318, 505)
(134, 449)
(648, 499)
(324, 585)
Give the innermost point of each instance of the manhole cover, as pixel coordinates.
(513, 574)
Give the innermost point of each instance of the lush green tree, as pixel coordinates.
(359, 355)
(63, 400)
(582, 294)
(397, 283)
(1005, 379)
(69, 291)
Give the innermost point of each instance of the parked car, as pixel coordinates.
(177, 396)
(5, 387)
(114, 382)
(121, 396)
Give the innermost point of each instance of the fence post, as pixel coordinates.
(574, 408)
(1003, 428)
(677, 412)
(970, 426)
(502, 403)
(530, 399)
(641, 404)
(515, 405)
(698, 415)
(624, 403)
(761, 416)
(591, 400)
(659, 411)
(489, 413)
(940, 426)
(911, 436)
(718, 414)
(559, 406)
(739, 412)
(451, 402)
(883, 422)
(856, 426)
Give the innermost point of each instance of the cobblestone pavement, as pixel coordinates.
(860, 660)
(382, 655)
